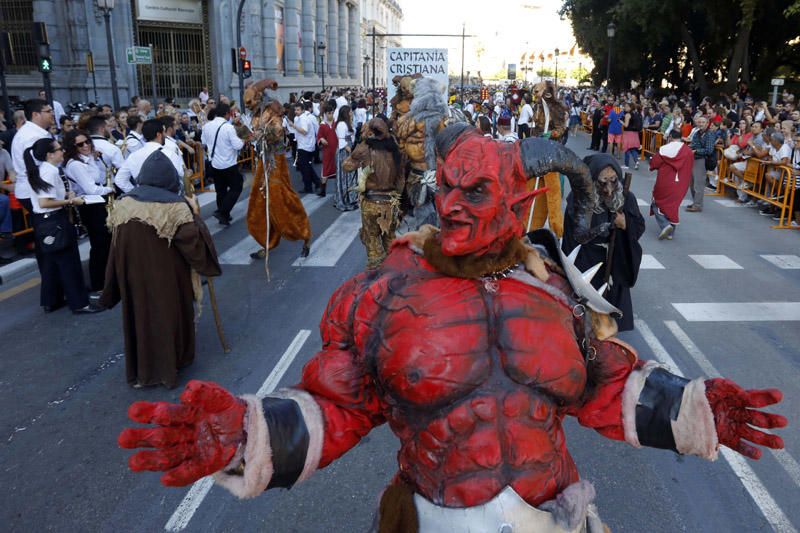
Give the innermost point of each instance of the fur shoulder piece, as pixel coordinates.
(164, 218)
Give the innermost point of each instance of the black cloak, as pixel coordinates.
(627, 250)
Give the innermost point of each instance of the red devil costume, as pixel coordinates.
(473, 346)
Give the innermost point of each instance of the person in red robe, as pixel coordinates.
(326, 137)
(673, 161)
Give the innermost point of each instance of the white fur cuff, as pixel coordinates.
(257, 455)
(695, 431)
(312, 415)
(630, 399)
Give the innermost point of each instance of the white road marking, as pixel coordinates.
(650, 263)
(758, 492)
(727, 202)
(783, 457)
(783, 261)
(739, 312)
(239, 253)
(205, 198)
(191, 502)
(716, 262)
(329, 247)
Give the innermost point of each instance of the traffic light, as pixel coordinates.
(246, 72)
(45, 64)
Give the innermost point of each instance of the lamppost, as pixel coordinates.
(556, 84)
(611, 29)
(365, 74)
(106, 6)
(321, 47)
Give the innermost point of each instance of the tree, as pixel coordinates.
(545, 72)
(706, 43)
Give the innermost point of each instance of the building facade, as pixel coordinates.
(194, 45)
(383, 17)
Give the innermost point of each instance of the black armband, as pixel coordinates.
(288, 437)
(659, 404)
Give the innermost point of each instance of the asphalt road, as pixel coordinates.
(62, 383)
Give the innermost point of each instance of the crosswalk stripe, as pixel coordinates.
(239, 253)
(650, 263)
(716, 262)
(727, 202)
(739, 312)
(787, 262)
(329, 247)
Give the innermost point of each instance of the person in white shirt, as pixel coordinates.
(171, 146)
(58, 109)
(110, 154)
(60, 266)
(504, 131)
(341, 101)
(306, 127)
(525, 118)
(39, 117)
(223, 145)
(87, 176)
(203, 96)
(134, 140)
(153, 131)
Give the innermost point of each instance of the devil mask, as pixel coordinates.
(482, 188)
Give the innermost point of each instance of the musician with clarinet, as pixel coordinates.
(615, 253)
(88, 177)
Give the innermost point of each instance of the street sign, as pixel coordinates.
(89, 62)
(242, 52)
(777, 82)
(139, 55)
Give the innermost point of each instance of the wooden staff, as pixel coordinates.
(188, 189)
(613, 238)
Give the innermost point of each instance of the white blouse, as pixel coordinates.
(343, 133)
(86, 176)
(49, 174)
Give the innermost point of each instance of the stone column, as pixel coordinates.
(293, 58)
(332, 54)
(353, 43)
(309, 61)
(343, 68)
(321, 27)
(268, 39)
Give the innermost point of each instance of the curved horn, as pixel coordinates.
(540, 156)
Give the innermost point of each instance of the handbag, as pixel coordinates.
(53, 231)
(208, 167)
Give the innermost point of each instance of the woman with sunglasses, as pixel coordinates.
(60, 268)
(87, 176)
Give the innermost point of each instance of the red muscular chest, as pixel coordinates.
(452, 336)
(474, 380)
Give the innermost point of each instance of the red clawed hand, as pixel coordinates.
(735, 414)
(196, 438)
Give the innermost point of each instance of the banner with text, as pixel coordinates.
(430, 62)
(184, 11)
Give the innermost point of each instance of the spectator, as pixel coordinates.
(485, 126)
(58, 109)
(630, 138)
(134, 141)
(779, 155)
(144, 109)
(666, 118)
(703, 146)
(615, 129)
(525, 118)
(741, 135)
(223, 145)
(203, 96)
(65, 124)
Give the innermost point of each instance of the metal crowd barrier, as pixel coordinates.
(775, 185)
(652, 140)
(26, 219)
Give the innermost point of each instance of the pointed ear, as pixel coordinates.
(521, 203)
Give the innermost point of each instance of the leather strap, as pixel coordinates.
(659, 404)
(289, 440)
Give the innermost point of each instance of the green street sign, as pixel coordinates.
(139, 55)
(45, 64)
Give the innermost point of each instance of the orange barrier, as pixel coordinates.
(586, 122)
(775, 185)
(652, 140)
(197, 164)
(26, 219)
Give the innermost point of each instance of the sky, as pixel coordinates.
(504, 30)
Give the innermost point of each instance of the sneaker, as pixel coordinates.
(795, 224)
(666, 233)
(694, 209)
(751, 203)
(636, 166)
(766, 212)
(625, 167)
(776, 216)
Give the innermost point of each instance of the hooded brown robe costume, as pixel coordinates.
(159, 248)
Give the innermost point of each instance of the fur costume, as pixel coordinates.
(287, 216)
(549, 114)
(401, 101)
